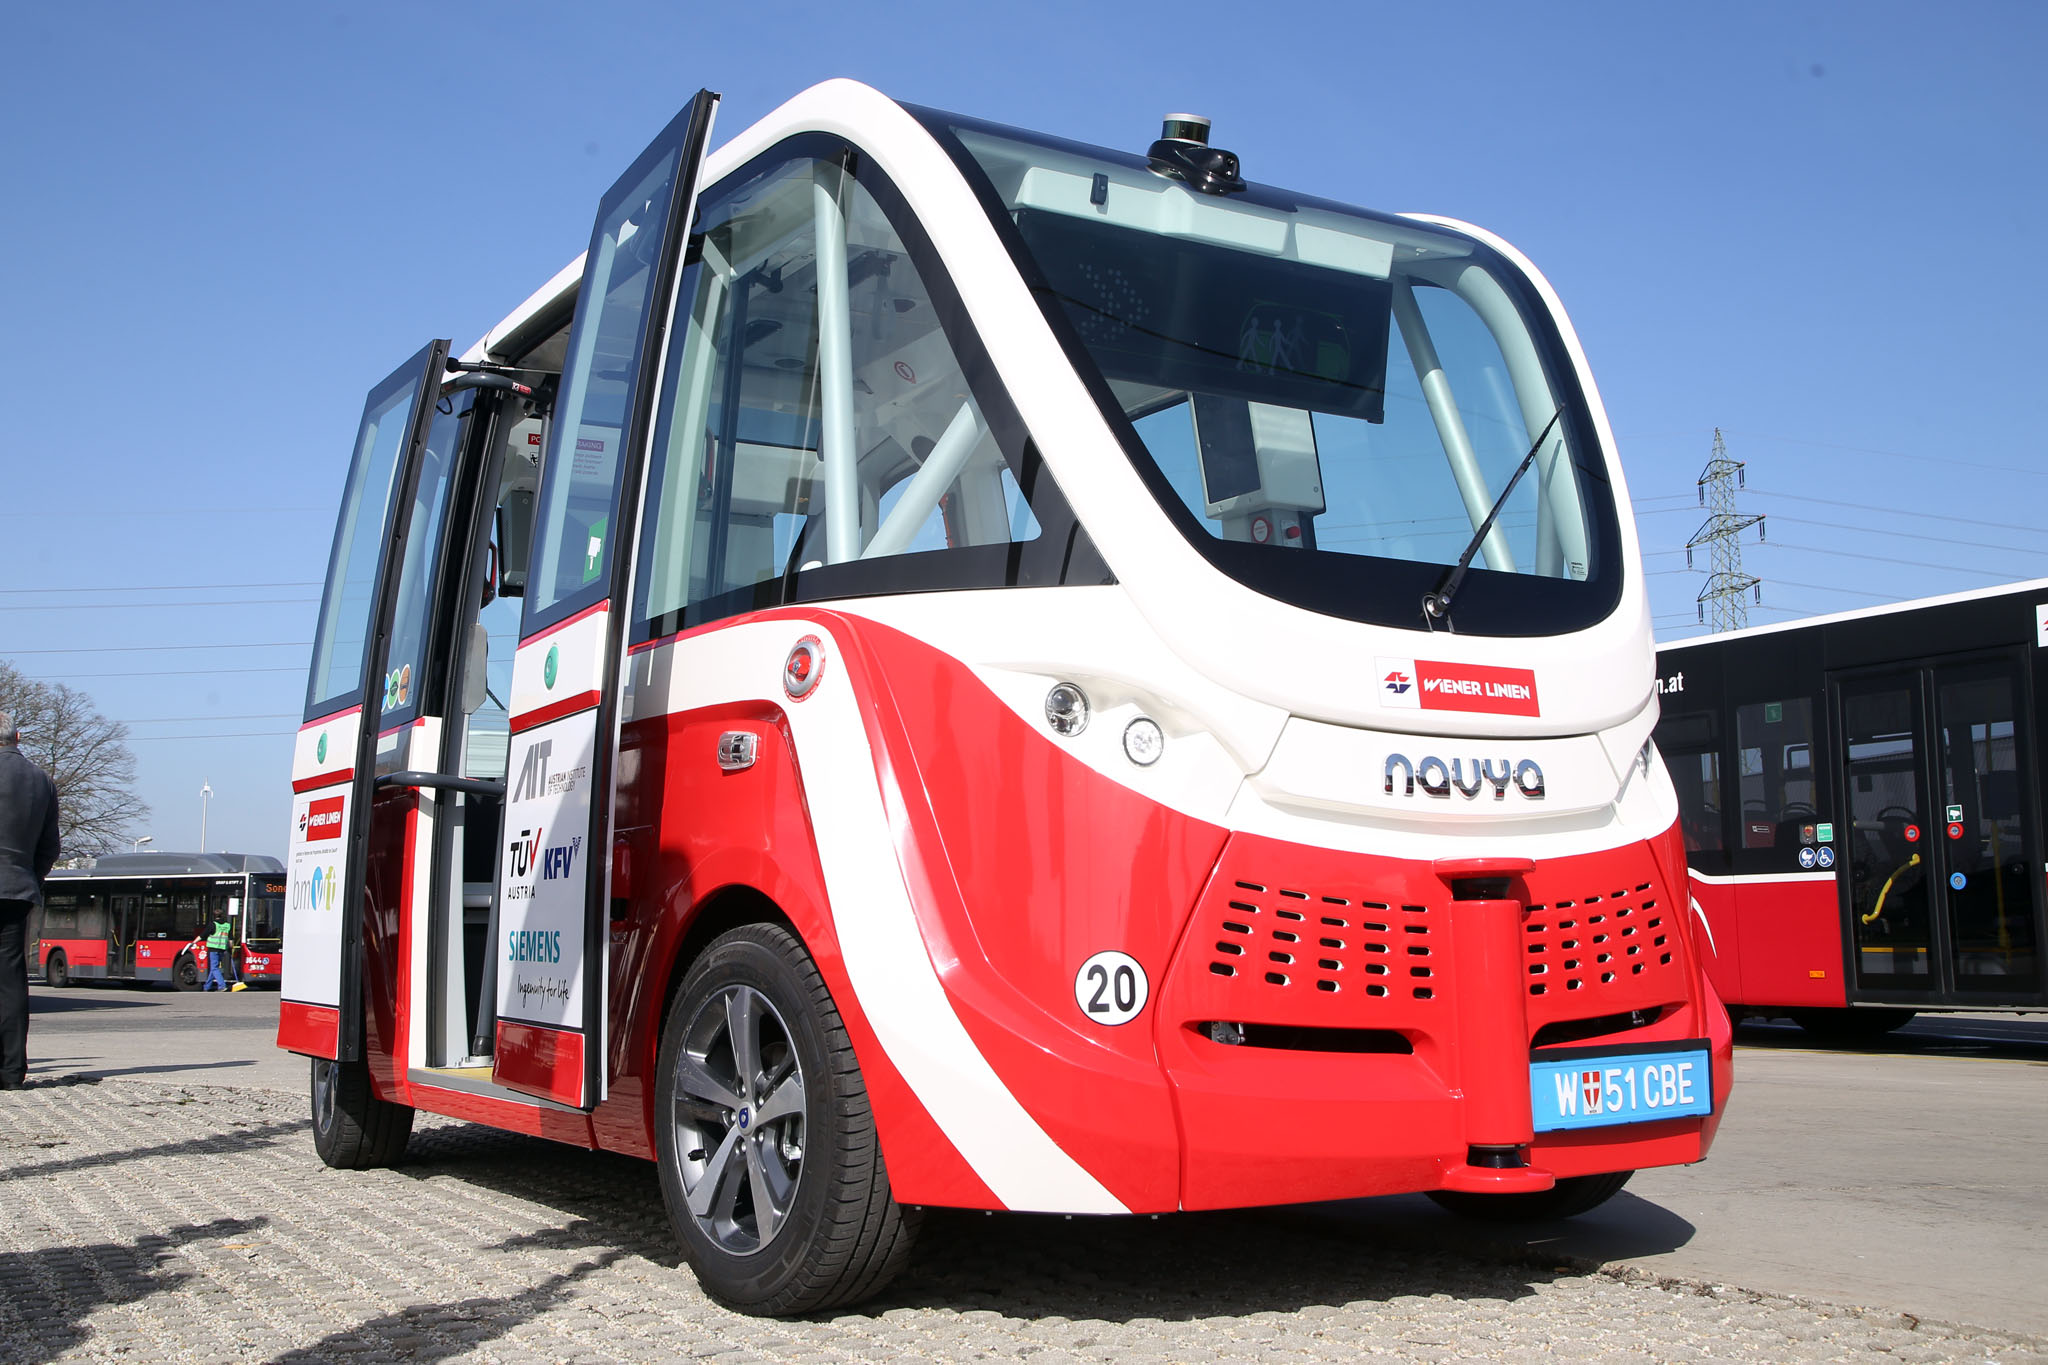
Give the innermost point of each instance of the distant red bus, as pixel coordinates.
(1861, 801)
(135, 916)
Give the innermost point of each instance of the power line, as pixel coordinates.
(1899, 512)
(141, 649)
(239, 734)
(168, 606)
(1909, 535)
(1878, 559)
(168, 673)
(1893, 454)
(165, 720)
(172, 587)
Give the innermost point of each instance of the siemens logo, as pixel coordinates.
(534, 945)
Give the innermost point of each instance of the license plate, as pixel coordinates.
(1598, 1086)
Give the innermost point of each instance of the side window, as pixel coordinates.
(340, 639)
(572, 544)
(405, 659)
(1774, 744)
(1691, 747)
(820, 432)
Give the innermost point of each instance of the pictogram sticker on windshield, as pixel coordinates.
(1431, 685)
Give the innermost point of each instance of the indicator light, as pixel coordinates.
(1144, 741)
(803, 668)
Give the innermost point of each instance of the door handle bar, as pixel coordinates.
(474, 786)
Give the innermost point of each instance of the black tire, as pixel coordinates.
(1568, 1198)
(56, 971)
(353, 1130)
(185, 973)
(1851, 1027)
(838, 1236)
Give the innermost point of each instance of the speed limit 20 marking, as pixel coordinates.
(1111, 988)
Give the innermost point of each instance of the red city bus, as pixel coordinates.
(134, 917)
(942, 666)
(1861, 801)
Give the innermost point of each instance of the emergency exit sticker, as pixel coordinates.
(2041, 625)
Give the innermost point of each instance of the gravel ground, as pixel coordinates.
(166, 1222)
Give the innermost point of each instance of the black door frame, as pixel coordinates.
(1918, 674)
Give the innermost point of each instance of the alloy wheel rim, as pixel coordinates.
(323, 1096)
(739, 1119)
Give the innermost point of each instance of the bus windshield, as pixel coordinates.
(263, 922)
(1327, 402)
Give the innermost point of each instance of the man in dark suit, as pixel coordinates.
(28, 849)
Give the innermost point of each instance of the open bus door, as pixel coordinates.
(1940, 894)
(554, 888)
(333, 768)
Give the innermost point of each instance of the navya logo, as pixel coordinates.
(1467, 776)
(547, 669)
(320, 749)
(1398, 682)
(556, 862)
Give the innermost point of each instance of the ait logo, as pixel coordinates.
(1589, 1086)
(320, 749)
(1399, 682)
(547, 669)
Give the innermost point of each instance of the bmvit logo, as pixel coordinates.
(1431, 685)
(322, 819)
(317, 892)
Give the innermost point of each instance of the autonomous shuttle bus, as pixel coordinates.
(942, 666)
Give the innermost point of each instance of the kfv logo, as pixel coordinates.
(533, 774)
(557, 861)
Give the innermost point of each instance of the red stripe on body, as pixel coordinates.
(555, 710)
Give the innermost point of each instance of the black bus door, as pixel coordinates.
(1941, 890)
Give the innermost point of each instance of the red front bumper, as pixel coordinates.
(1389, 1022)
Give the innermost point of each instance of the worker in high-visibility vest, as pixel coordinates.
(220, 966)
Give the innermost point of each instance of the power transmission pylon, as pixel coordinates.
(1728, 584)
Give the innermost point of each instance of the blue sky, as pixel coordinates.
(1816, 226)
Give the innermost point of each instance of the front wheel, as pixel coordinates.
(185, 973)
(1568, 1198)
(770, 1165)
(56, 971)
(353, 1130)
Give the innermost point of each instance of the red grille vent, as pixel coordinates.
(1289, 939)
(1603, 943)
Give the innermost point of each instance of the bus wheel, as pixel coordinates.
(770, 1166)
(1568, 1198)
(56, 971)
(185, 973)
(353, 1130)
(1850, 1028)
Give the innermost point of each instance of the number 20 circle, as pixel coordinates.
(1111, 988)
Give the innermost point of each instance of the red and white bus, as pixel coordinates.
(942, 666)
(135, 916)
(1861, 801)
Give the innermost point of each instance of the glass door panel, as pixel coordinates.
(1985, 844)
(1891, 910)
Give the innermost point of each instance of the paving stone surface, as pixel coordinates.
(166, 1222)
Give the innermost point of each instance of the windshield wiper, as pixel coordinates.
(1436, 605)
